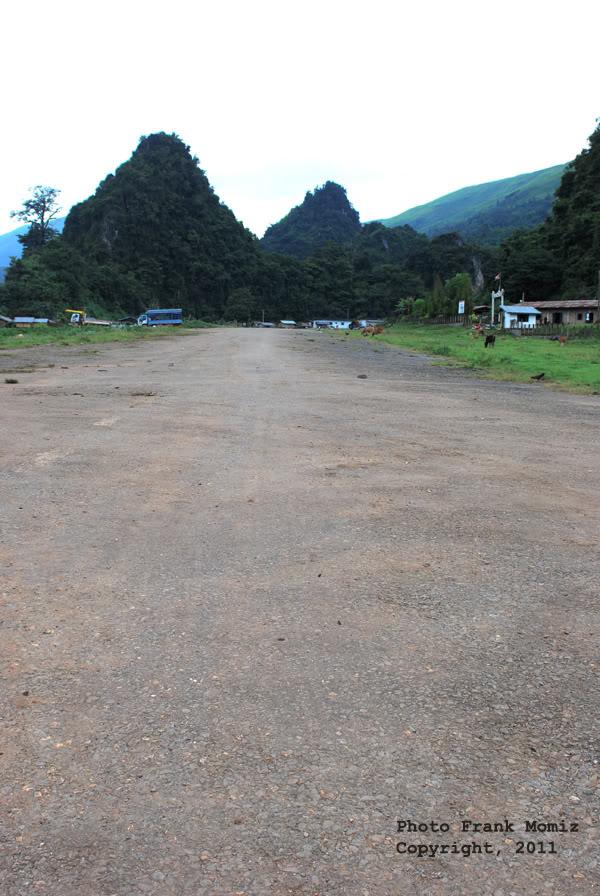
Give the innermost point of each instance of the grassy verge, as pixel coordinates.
(67, 335)
(575, 365)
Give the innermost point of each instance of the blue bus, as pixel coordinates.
(160, 316)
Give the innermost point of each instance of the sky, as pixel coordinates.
(398, 101)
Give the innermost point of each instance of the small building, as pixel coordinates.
(287, 324)
(31, 321)
(5, 321)
(331, 324)
(576, 311)
(519, 317)
(371, 322)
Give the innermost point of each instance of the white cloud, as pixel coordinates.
(400, 102)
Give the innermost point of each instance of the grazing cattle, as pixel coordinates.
(368, 331)
(562, 339)
(490, 340)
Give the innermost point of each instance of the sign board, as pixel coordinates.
(461, 307)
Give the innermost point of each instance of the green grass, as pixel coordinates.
(574, 366)
(41, 334)
(66, 335)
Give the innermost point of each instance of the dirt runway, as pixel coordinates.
(256, 611)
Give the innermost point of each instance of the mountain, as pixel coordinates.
(10, 245)
(158, 222)
(487, 213)
(153, 234)
(324, 216)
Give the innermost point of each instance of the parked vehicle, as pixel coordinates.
(156, 317)
(79, 318)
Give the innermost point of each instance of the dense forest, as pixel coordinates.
(561, 257)
(155, 234)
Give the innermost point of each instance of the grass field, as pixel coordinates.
(68, 335)
(575, 365)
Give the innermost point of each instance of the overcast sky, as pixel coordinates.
(398, 101)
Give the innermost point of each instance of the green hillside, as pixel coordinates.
(324, 216)
(487, 213)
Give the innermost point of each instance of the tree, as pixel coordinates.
(38, 211)
(459, 289)
(240, 306)
(44, 283)
(437, 299)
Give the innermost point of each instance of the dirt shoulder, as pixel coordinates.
(257, 609)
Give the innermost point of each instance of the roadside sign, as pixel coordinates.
(461, 307)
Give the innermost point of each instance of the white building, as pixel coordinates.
(519, 317)
(331, 324)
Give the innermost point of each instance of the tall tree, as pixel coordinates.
(38, 211)
(459, 289)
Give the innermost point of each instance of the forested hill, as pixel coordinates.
(158, 224)
(154, 234)
(487, 213)
(324, 216)
(561, 258)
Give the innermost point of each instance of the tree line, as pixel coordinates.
(154, 234)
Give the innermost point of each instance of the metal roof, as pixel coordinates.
(519, 309)
(31, 320)
(570, 303)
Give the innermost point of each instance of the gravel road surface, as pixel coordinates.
(266, 594)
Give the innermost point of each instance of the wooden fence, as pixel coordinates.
(574, 331)
(451, 319)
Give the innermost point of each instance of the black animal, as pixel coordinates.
(490, 340)
(538, 376)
